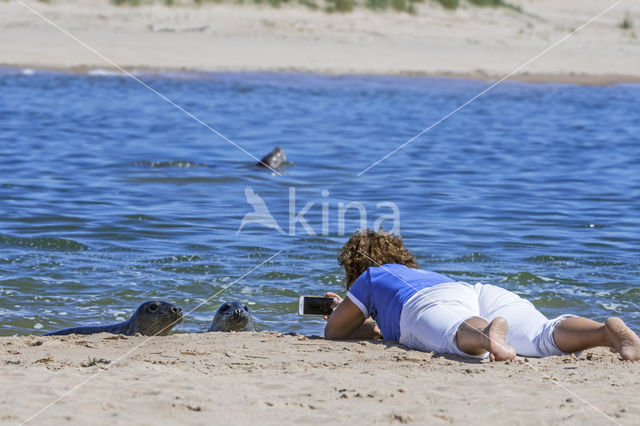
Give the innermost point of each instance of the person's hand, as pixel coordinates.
(336, 301)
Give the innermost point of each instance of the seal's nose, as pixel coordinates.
(237, 313)
(176, 310)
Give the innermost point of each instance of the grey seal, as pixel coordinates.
(232, 316)
(152, 318)
(272, 160)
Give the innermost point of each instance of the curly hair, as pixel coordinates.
(367, 248)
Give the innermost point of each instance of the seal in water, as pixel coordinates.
(272, 160)
(232, 316)
(152, 318)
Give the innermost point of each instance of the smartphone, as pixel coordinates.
(315, 305)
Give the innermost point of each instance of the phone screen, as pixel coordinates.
(314, 305)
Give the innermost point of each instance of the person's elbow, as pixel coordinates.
(332, 333)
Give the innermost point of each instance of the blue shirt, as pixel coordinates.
(382, 291)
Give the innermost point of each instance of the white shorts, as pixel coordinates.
(430, 319)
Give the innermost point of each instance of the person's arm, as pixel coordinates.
(347, 322)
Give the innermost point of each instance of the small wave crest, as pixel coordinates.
(178, 164)
(471, 257)
(100, 72)
(550, 258)
(44, 243)
(526, 278)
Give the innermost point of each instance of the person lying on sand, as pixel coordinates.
(431, 312)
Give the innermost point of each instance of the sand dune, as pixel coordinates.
(471, 41)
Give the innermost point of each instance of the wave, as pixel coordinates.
(100, 72)
(44, 243)
(526, 278)
(472, 257)
(177, 163)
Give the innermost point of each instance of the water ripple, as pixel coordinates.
(110, 196)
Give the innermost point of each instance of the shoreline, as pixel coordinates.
(573, 79)
(249, 377)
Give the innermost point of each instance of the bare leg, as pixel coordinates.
(476, 336)
(576, 334)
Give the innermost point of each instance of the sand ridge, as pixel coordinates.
(472, 42)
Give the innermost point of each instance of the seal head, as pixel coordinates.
(232, 316)
(152, 318)
(155, 318)
(272, 160)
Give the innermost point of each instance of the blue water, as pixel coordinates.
(110, 196)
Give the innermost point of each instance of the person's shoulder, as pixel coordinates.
(405, 271)
(364, 277)
(392, 268)
(389, 266)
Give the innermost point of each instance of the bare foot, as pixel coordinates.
(498, 348)
(623, 339)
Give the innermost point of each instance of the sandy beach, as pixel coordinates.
(471, 41)
(271, 378)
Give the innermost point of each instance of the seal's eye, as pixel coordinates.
(245, 308)
(153, 307)
(225, 307)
